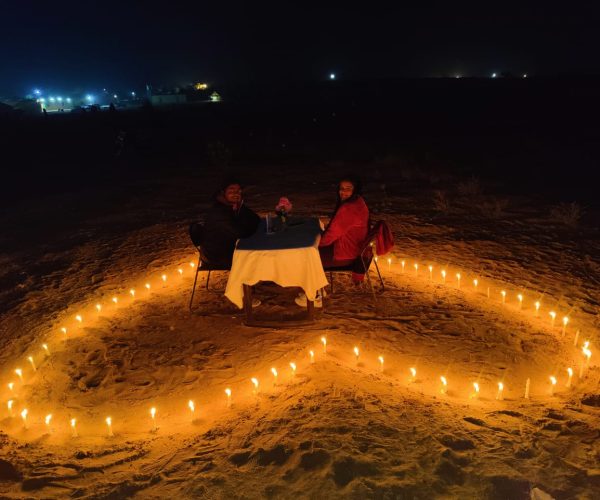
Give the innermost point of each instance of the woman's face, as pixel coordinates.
(346, 190)
(233, 194)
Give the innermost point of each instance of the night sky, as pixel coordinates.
(68, 45)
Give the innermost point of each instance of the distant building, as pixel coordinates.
(167, 99)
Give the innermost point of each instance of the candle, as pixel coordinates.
(74, 427)
(488, 292)
(430, 273)
(503, 293)
(312, 357)
(47, 421)
(192, 264)
(416, 269)
(520, 297)
(553, 316)
(24, 417)
(570, 372)
(10, 404)
(380, 363)
(403, 264)
(527, 383)
(109, 425)
(537, 308)
(132, 292)
(413, 375)
(11, 386)
(79, 318)
(499, 394)
(389, 261)
(274, 372)
(324, 342)
(443, 276)
(475, 395)
(255, 384)
(576, 338)
(293, 367)
(30, 359)
(98, 307)
(228, 394)
(19, 373)
(356, 353)
(64, 330)
(376, 257)
(444, 388)
(552, 384)
(147, 285)
(164, 277)
(458, 279)
(180, 271)
(192, 408)
(46, 350)
(115, 300)
(153, 417)
(565, 322)
(475, 283)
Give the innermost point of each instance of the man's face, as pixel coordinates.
(233, 194)
(346, 190)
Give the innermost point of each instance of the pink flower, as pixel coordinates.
(284, 205)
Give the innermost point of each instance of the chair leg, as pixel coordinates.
(207, 279)
(380, 278)
(195, 280)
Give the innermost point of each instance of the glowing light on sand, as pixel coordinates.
(475, 395)
(416, 269)
(293, 367)
(312, 356)
(153, 417)
(403, 264)
(565, 322)
(47, 421)
(389, 261)
(324, 342)
(98, 307)
(24, 417)
(11, 386)
(132, 292)
(79, 318)
(109, 425)
(500, 393)
(10, 404)
(180, 271)
(413, 375)
(570, 372)
(503, 293)
(164, 277)
(356, 353)
(30, 359)
(443, 276)
(553, 316)
(380, 358)
(192, 408)
(46, 350)
(475, 283)
(115, 300)
(458, 279)
(255, 385)
(192, 264)
(430, 273)
(274, 372)
(147, 285)
(228, 393)
(527, 384)
(552, 384)
(537, 308)
(74, 427)
(520, 297)
(19, 373)
(444, 388)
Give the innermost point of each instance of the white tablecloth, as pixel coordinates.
(289, 267)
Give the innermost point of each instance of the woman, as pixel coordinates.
(342, 241)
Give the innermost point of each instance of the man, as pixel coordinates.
(226, 221)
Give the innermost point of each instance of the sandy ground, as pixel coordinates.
(338, 427)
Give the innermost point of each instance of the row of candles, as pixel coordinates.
(293, 368)
(443, 273)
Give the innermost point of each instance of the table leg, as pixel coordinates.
(310, 309)
(248, 302)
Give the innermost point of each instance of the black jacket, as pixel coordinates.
(223, 226)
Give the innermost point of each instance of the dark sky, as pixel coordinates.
(66, 45)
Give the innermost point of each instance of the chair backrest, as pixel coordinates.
(383, 237)
(197, 233)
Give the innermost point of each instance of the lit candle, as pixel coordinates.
(570, 372)
(312, 356)
(475, 395)
(11, 386)
(588, 354)
(376, 257)
(64, 330)
(444, 388)
(293, 367)
(324, 342)
(552, 384)
(430, 273)
(416, 269)
(164, 277)
(255, 385)
(503, 293)
(228, 394)
(403, 264)
(537, 308)
(553, 316)
(24, 417)
(98, 307)
(47, 421)
(380, 363)
(274, 372)
(520, 297)
(389, 261)
(443, 276)
(475, 283)
(356, 353)
(147, 285)
(458, 279)
(19, 373)
(192, 264)
(132, 292)
(109, 425)
(30, 359)
(499, 394)
(10, 404)
(413, 375)
(192, 408)
(576, 338)
(74, 427)
(153, 417)
(79, 318)
(565, 322)
(115, 300)
(180, 271)
(527, 383)
(46, 350)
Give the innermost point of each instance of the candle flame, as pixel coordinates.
(476, 387)
(430, 268)
(45, 347)
(444, 381)
(19, 372)
(293, 367)
(500, 386)
(520, 297)
(553, 314)
(64, 330)
(10, 403)
(389, 260)
(73, 423)
(537, 305)
(255, 382)
(458, 276)
(565, 320)
(413, 372)
(503, 292)
(98, 307)
(115, 300)
(180, 271)
(108, 421)
(192, 264)
(273, 371)
(191, 406)
(553, 380)
(570, 371)
(132, 292)
(475, 283)
(228, 392)
(10, 386)
(147, 285)
(416, 266)
(79, 318)
(24, 414)
(380, 359)
(356, 351)
(312, 355)
(164, 277)
(48, 419)
(153, 412)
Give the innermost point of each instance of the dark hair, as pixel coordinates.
(356, 192)
(230, 181)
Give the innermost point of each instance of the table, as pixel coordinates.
(289, 257)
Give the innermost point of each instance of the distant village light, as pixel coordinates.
(201, 86)
(494, 75)
(332, 76)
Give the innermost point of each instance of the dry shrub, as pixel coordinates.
(493, 209)
(440, 201)
(568, 214)
(470, 187)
